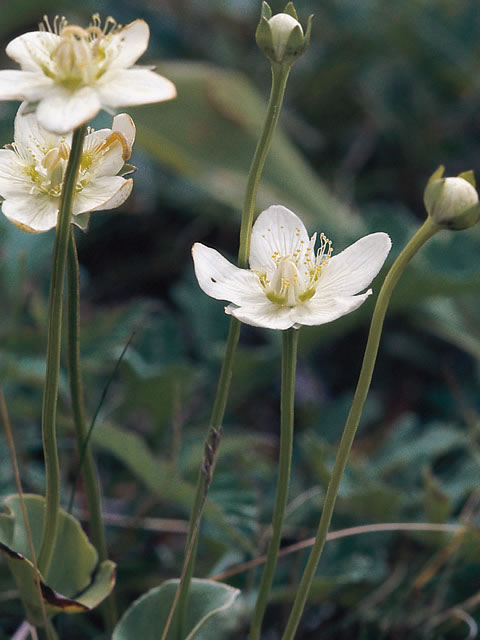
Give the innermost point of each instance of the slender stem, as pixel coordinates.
(87, 464)
(48, 632)
(49, 409)
(426, 231)
(289, 363)
(206, 472)
(279, 80)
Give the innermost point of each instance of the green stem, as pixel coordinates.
(48, 632)
(279, 80)
(49, 409)
(289, 362)
(204, 477)
(86, 464)
(426, 231)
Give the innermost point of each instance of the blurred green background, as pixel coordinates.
(386, 93)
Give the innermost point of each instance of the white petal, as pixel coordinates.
(24, 85)
(222, 280)
(32, 213)
(129, 44)
(123, 88)
(30, 134)
(13, 180)
(124, 124)
(264, 314)
(353, 269)
(107, 192)
(277, 230)
(33, 49)
(105, 160)
(320, 310)
(62, 110)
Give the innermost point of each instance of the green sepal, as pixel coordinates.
(437, 174)
(74, 583)
(290, 10)
(82, 220)
(266, 11)
(296, 43)
(264, 38)
(469, 176)
(308, 31)
(465, 220)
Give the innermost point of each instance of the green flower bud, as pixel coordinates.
(452, 202)
(281, 37)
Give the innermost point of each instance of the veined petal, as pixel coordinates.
(106, 192)
(320, 310)
(13, 181)
(264, 314)
(128, 87)
(63, 111)
(222, 280)
(276, 232)
(354, 268)
(124, 124)
(31, 135)
(32, 50)
(129, 44)
(103, 154)
(24, 85)
(32, 213)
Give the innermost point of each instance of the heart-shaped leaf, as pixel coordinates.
(74, 582)
(207, 605)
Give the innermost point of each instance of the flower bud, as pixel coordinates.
(452, 202)
(281, 37)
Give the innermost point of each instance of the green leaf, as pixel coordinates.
(74, 583)
(206, 612)
(161, 477)
(438, 504)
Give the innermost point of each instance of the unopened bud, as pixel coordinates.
(281, 36)
(452, 202)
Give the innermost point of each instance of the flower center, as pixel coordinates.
(295, 277)
(286, 284)
(44, 168)
(80, 57)
(74, 58)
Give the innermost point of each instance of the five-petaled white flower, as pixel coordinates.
(33, 167)
(288, 283)
(73, 72)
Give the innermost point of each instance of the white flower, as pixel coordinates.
(288, 283)
(73, 72)
(32, 170)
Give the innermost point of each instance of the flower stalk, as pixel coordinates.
(49, 408)
(87, 464)
(279, 81)
(289, 363)
(426, 231)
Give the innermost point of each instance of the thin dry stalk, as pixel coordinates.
(344, 533)
(13, 456)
